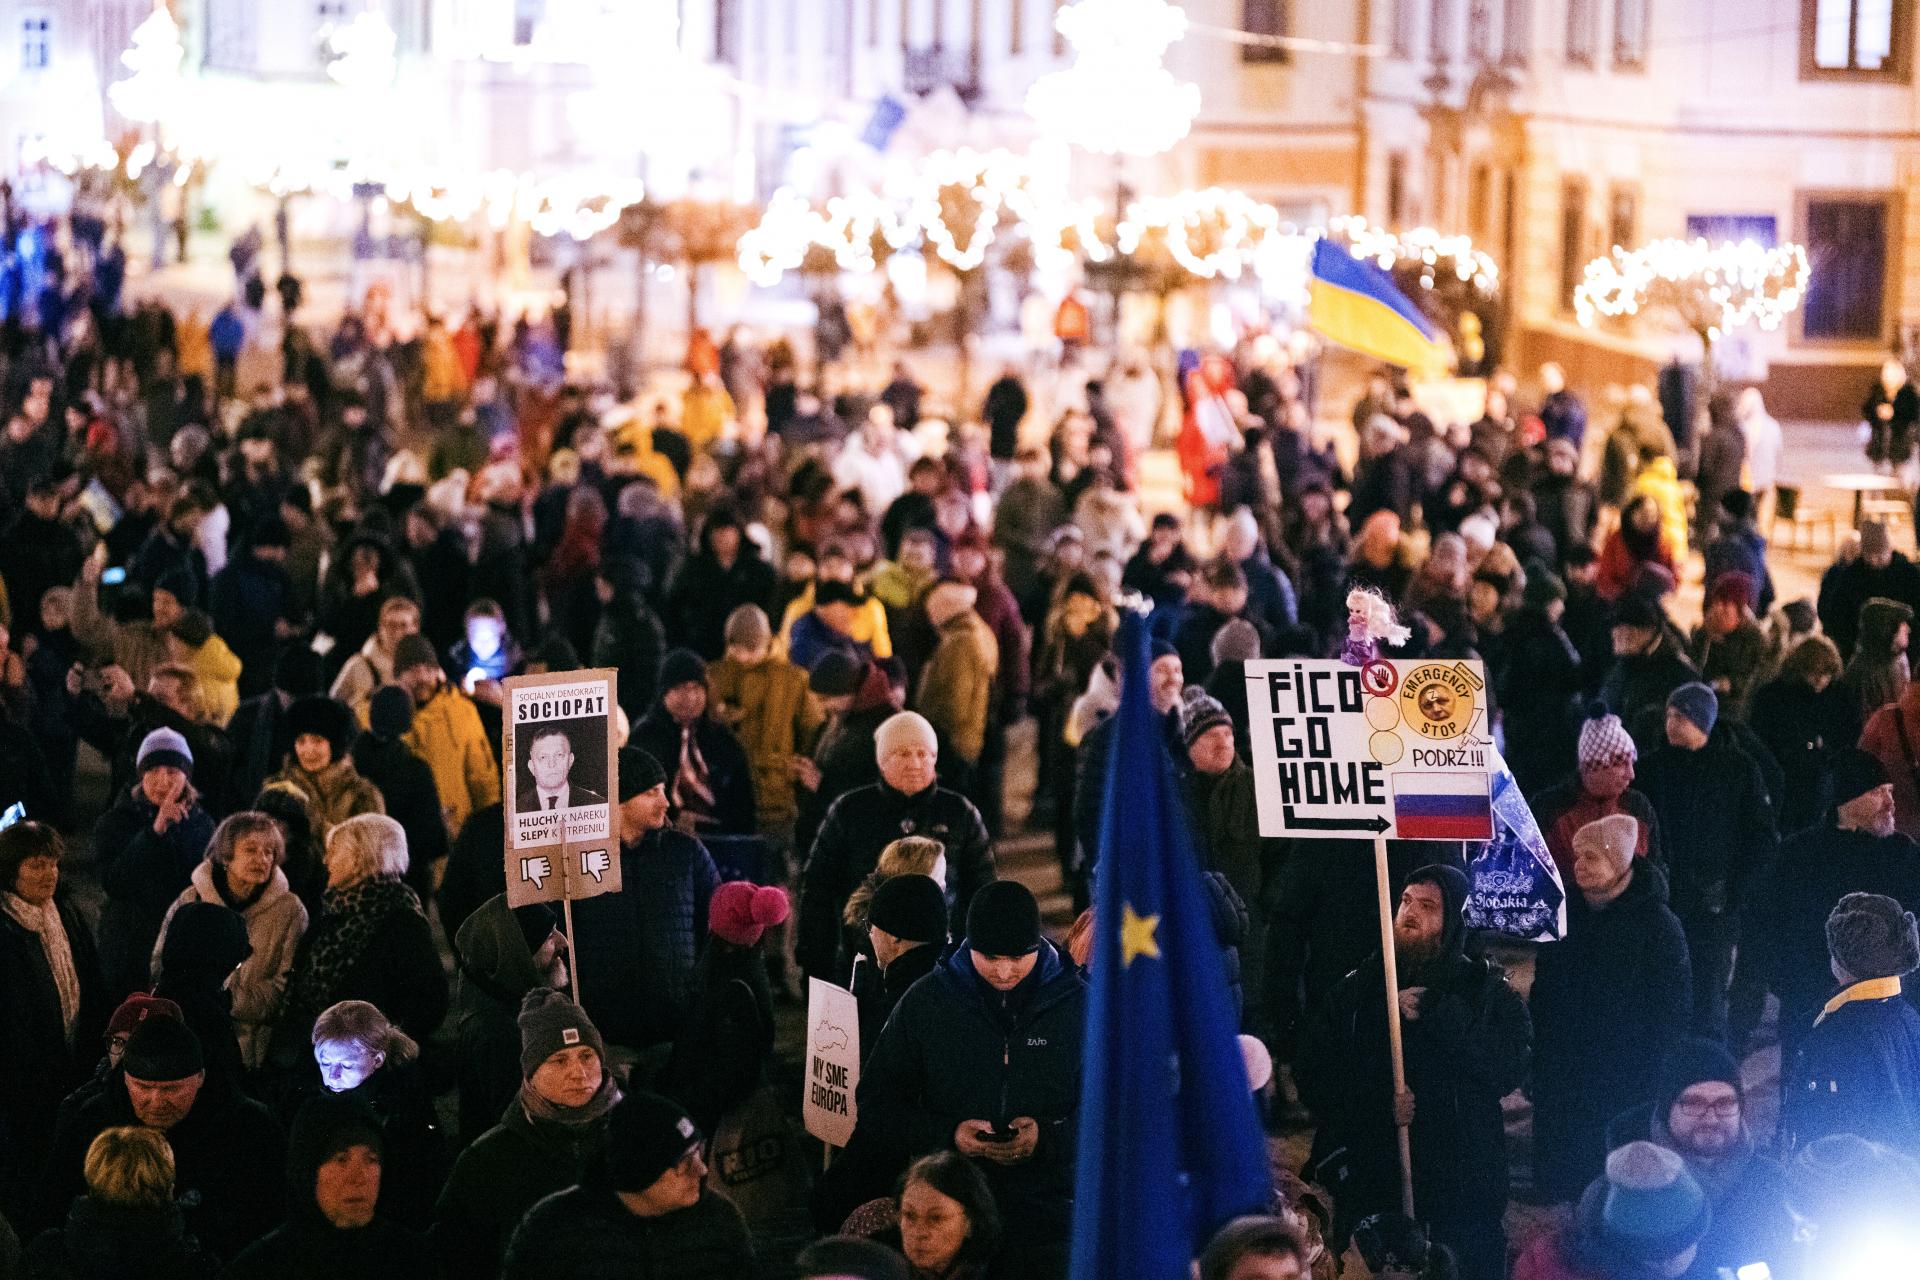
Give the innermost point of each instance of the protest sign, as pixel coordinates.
(561, 786)
(833, 1062)
(1395, 748)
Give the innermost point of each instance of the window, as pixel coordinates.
(36, 41)
(1573, 237)
(527, 17)
(1059, 41)
(1440, 30)
(1480, 29)
(1854, 38)
(1583, 31)
(1479, 196)
(1516, 31)
(1263, 18)
(1630, 34)
(726, 32)
(1016, 28)
(331, 11)
(1405, 16)
(1846, 239)
(1623, 218)
(1397, 189)
(1732, 228)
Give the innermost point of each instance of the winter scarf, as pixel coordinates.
(572, 1120)
(45, 921)
(349, 918)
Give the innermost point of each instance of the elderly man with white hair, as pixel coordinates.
(371, 941)
(907, 801)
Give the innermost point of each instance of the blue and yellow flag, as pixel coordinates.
(1170, 1143)
(1356, 304)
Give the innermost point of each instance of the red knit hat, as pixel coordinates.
(741, 912)
(137, 1008)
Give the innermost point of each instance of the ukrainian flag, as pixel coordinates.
(1355, 304)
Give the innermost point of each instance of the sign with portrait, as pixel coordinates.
(561, 786)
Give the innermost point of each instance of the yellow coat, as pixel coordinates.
(771, 711)
(193, 346)
(704, 414)
(441, 377)
(956, 685)
(448, 735)
(219, 672)
(1661, 482)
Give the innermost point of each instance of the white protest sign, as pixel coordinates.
(1396, 748)
(833, 1062)
(560, 786)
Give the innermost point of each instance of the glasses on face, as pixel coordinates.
(1700, 1109)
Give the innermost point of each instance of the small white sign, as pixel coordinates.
(833, 1062)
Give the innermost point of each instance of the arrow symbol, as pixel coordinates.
(594, 862)
(1375, 824)
(536, 869)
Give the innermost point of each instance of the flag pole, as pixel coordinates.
(1392, 968)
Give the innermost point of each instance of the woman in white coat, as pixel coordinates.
(242, 871)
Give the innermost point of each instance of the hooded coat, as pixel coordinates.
(637, 950)
(1614, 989)
(495, 972)
(1877, 674)
(1846, 587)
(1468, 1049)
(206, 944)
(705, 591)
(307, 1246)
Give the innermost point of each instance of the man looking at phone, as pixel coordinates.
(984, 1056)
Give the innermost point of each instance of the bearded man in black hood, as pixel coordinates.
(1467, 1042)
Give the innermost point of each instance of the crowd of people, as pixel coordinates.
(269, 1012)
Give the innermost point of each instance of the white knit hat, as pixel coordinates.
(1616, 836)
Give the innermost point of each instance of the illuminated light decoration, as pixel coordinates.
(1436, 252)
(1118, 96)
(362, 52)
(950, 178)
(1213, 233)
(1713, 288)
(152, 92)
(778, 244)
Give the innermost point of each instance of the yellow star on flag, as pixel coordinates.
(1136, 935)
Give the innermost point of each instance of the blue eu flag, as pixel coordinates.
(1170, 1143)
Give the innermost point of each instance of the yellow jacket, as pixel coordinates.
(441, 377)
(1661, 482)
(447, 734)
(704, 414)
(193, 346)
(869, 623)
(219, 672)
(956, 685)
(771, 711)
(634, 441)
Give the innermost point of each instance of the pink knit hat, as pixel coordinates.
(741, 912)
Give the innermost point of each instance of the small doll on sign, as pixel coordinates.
(1369, 621)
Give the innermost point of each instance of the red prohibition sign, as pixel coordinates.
(1379, 679)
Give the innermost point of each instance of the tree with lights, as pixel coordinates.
(151, 96)
(702, 234)
(1711, 289)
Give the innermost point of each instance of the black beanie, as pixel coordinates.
(1856, 772)
(390, 714)
(1003, 920)
(162, 1049)
(638, 772)
(1693, 1061)
(537, 921)
(836, 673)
(297, 670)
(681, 666)
(912, 908)
(646, 1136)
(414, 651)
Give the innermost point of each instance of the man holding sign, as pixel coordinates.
(1467, 1039)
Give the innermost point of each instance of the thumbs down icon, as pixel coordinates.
(536, 869)
(595, 863)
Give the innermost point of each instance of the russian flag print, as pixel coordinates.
(1442, 806)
